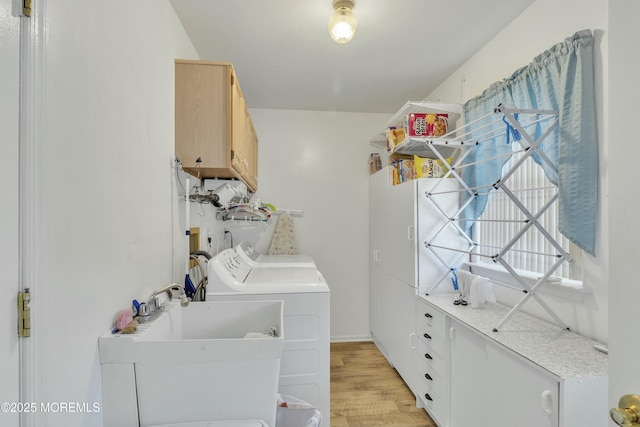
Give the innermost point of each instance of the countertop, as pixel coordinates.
(559, 351)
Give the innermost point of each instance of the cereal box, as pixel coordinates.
(429, 168)
(425, 124)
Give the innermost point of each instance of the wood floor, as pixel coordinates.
(367, 392)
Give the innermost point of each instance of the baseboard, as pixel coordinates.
(351, 338)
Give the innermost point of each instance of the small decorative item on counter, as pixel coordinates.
(394, 137)
(375, 163)
(425, 124)
(429, 168)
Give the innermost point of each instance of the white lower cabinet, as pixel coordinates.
(432, 388)
(519, 392)
(491, 387)
(528, 377)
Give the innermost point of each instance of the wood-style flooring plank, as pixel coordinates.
(367, 392)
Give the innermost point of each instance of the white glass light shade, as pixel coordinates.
(342, 25)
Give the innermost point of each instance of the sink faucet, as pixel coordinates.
(153, 302)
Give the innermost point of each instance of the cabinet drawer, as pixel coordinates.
(435, 384)
(433, 338)
(432, 316)
(433, 403)
(430, 360)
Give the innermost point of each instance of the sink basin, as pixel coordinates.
(208, 361)
(200, 332)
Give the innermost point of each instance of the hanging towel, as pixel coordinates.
(464, 282)
(283, 241)
(481, 291)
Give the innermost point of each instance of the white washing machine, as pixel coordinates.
(256, 259)
(304, 366)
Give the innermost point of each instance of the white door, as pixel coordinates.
(624, 286)
(9, 84)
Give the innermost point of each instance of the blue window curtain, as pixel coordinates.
(560, 79)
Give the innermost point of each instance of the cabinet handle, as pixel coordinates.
(429, 398)
(410, 233)
(428, 356)
(546, 401)
(428, 316)
(427, 336)
(412, 341)
(427, 376)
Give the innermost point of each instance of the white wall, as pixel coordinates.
(623, 152)
(542, 25)
(110, 206)
(318, 162)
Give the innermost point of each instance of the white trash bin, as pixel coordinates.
(293, 412)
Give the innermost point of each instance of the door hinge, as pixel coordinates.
(26, 7)
(22, 8)
(24, 313)
(233, 79)
(233, 154)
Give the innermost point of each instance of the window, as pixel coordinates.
(533, 254)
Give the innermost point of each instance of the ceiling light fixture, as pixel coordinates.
(343, 23)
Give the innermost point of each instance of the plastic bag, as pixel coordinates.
(293, 412)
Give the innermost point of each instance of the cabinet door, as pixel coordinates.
(399, 231)
(400, 328)
(252, 153)
(378, 183)
(202, 117)
(238, 132)
(469, 380)
(434, 226)
(518, 394)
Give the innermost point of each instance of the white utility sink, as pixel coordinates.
(208, 361)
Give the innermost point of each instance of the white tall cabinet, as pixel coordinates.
(392, 270)
(401, 220)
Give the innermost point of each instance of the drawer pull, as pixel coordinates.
(428, 316)
(546, 401)
(427, 376)
(427, 336)
(428, 356)
(429, 398)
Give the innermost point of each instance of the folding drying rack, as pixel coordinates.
(519, 122)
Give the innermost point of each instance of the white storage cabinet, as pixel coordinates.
(530, 374)
(401, 220)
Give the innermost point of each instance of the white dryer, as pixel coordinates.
(304, 366)
(256, 259)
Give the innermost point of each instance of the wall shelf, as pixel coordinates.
(413, 145)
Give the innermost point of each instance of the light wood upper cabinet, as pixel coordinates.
(214, 134)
